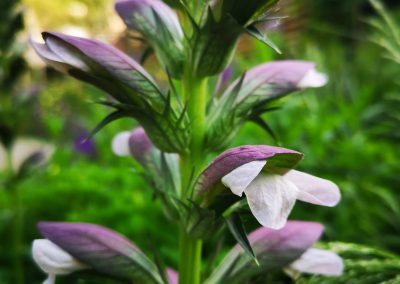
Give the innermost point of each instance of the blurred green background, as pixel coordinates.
(349, 130)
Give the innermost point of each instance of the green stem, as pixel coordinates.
(195, 94)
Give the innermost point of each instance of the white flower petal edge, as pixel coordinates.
(318, 261)
(120, 144)
(24, 148)
(313, 189)
(271, 198)
(313, 79)
(238, 179)
(54, 260)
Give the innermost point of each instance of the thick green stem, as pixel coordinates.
(195, 94)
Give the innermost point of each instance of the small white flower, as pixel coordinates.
(25, 148)
(120, 144)
(271, 197)
(317, 261)
(54, 260)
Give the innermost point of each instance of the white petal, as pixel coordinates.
(24, 148)
(54, 260)
(313, 79)
(271, 198)
(313, 189)
(120, 143)
(318, 261)
(238, 179)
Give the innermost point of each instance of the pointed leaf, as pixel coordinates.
(254, 32)
(237, 229)
(107, 120)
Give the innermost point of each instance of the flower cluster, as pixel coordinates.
(180, 128)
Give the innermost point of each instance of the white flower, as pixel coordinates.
(120, 144)
(23, 149)
(317, 261)
(271, 196)
(54, 260)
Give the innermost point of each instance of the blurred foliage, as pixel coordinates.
(12, 67)
(83, 17)
(344, 129)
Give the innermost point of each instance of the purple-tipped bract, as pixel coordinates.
(274, 249)
(284, 160)
(102, 249)
(140, 145)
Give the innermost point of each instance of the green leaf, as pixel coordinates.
(108, 119)
(260, 122)
(214, 44)
(246, 12)
(237, 229)
(254, 32)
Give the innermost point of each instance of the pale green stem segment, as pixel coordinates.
(195, 94)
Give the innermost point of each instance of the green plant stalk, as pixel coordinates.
(195, 94)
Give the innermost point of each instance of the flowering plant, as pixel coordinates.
(180, 128)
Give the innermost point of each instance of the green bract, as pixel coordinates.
(214, 39)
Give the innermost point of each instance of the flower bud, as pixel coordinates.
(159, 25)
